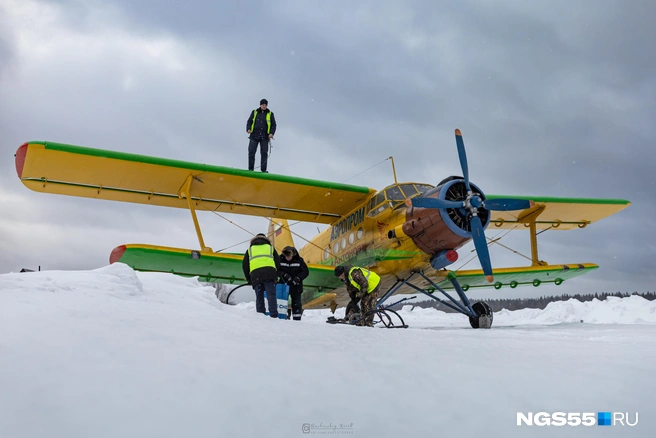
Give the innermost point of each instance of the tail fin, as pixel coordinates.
(279, 234)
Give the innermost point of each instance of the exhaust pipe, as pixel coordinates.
(396, 233)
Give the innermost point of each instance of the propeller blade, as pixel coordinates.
(480, 243)
(507, 204)
(463, 158)
(435, 203)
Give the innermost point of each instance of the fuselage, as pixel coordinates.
(372, 234)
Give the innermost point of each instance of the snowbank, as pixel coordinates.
(111, 352)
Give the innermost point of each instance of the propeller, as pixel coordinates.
(471, 204)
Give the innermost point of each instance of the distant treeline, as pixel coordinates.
(524, 303)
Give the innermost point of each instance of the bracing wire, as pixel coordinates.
(366, 170)
(290, 225)
(253, 234)
(492, 241)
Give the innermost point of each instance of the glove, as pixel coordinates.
(286, 278)
(296, 281)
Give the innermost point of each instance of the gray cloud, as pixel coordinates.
(554, 99)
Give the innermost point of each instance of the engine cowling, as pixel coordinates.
(434, 230)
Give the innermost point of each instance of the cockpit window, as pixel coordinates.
(409, 190)
(423, 187)
(394, 194)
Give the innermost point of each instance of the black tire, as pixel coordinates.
(484, 318)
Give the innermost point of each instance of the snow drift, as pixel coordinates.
(112, 352)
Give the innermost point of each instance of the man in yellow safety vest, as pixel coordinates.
(363, 285)
(261, 125)
(260, 265)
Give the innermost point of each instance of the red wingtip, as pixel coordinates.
(408, 202)
(458, 133)
(531, 203)
(21, 152)
(117, 253)
(489, 278)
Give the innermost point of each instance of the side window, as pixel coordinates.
(360, 233)
(377, 208)
(326, 253)
(351, 238)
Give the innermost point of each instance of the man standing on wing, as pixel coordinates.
(261, 125)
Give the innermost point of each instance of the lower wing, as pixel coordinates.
(318, 287)
(513, 277)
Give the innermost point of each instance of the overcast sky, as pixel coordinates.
(554, 98)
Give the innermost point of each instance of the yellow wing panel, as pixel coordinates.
(95, 173)
(557, 213)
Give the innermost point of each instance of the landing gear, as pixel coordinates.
(484, 316)
(480, 314)
(385, 317)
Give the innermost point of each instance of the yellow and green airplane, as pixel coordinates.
(408, 233)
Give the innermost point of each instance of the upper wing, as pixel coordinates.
(557, 213)
(94, 173)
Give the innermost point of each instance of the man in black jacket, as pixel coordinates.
(261, 125)
(260, 264)
(292, 272)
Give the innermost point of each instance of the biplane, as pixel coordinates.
(408, 233)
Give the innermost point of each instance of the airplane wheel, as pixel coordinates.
(484, 318)
(353, 318)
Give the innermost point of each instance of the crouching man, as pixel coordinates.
(362, 285)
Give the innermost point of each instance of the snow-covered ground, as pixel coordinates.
(114, 353)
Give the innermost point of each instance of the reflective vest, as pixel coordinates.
(372, 278)
(261, 256)
(268, 120)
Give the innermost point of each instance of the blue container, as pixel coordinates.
(282, 296)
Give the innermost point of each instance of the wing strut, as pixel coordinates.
(529, 221)
(185, 192)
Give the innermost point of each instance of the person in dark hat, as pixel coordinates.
(261, 125)
(362, 285)
(260, 265)
(293, 270)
